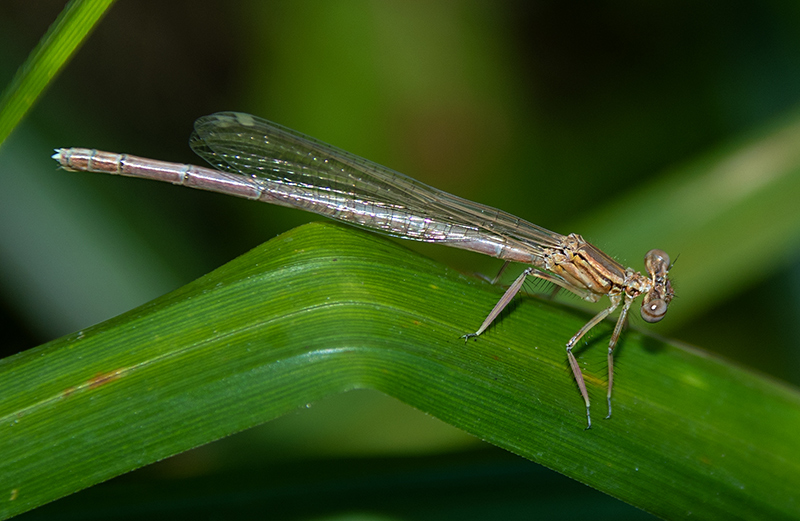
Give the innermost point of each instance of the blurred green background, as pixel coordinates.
(549, 110)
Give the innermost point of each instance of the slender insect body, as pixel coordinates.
(260, 160)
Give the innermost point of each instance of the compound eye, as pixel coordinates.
(654, 310)
(656, 261)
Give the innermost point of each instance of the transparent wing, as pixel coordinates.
(302, 172)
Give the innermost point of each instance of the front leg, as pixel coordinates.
(573, 362)
(623, 315)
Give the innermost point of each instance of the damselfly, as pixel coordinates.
(260, 160)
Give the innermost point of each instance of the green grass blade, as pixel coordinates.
(52, 52)
(324, 309)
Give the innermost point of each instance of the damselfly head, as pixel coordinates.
(656, 301)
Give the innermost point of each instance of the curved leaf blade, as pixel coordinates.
(325, 309)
